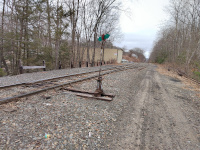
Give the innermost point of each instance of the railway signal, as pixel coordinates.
(103, 37)
(99, 91)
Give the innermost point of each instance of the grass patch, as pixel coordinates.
(197, 75)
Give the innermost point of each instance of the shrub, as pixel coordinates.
(197, 75)
(2, 73)
(160, 60)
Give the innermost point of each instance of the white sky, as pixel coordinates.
(140, 30)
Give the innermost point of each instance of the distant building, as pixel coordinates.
(115, 54)
(124, 61)
(133, 55)
(109, 55)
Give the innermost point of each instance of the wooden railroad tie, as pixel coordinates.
(87, 94)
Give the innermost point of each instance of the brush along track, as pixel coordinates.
(187, 77)
(42, 87)
(184, 75)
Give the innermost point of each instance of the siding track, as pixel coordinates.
(28, 89)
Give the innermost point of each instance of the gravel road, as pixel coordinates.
(149, 111)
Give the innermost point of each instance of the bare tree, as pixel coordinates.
(139, 53)
(2, 59)
(179, 44)
(32, 30)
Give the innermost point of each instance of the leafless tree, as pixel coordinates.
(180, 42)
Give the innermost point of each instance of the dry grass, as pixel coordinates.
(189, 84)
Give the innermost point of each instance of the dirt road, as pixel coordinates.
(160, 115)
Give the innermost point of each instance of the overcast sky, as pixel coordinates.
(140, 30)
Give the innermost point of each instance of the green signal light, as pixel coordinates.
(107, 36)
(100, 39)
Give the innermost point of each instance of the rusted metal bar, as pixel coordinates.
(86, 92)
(75, 90)
(91, 96)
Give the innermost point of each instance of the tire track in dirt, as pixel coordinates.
(157, 131)
(187, 137)
(165, 125)
(153, 119)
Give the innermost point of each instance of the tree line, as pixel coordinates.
(54, 30)
(178, 42)
(134, 55)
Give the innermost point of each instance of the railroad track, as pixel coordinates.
(21, 90)
(59, 77)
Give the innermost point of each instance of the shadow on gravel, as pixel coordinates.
(183, 98)
(175, 80)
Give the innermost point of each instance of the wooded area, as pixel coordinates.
(134, 55)
(179, 41)
(54, 30)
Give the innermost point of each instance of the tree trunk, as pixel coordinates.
(13, 42)
(82, 53)
(73, 45)
(2, 34)
(78, 48)
(49, 29)
(6, 67)
(2, 59)
(49, 23)
(57, 36)
(26, 46)
(93, 55)
(88, 52)
(21, 36)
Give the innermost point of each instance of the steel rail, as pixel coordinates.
(15, 98)
(59, 77)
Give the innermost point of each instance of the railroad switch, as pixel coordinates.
(98, 94)
(99, 91)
